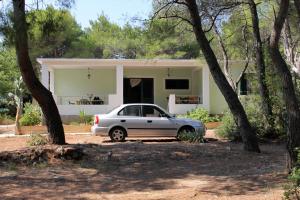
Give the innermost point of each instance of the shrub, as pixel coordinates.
(200, 114)
(85, 119)
(32, 115)
(193, 137)
(4, 111)
(228, 128)
(5, 119)
(258, 121)
(292, 189)
(37, 140)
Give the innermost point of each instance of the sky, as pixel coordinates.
(118, 11)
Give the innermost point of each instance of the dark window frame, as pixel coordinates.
(162, 113)
(173, 87)
(140, 111)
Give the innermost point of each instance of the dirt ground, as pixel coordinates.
(149, 169)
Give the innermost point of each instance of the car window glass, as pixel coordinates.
(131, 111)
(151, 111)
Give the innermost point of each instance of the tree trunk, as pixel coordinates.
(225, 56)
(18, 116)
(297, 6)
(261, 67)
(289, 96)
(290, 48)
(39, 92)
(248, 135)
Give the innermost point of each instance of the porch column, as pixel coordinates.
(119, 83)
(205, 88)
(51, 86)
(45, 76)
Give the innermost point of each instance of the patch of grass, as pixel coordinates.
(192, 137)
(37, 139)
(11, 166)
(40, 165)
(292, 188)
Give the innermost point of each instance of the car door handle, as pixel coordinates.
(149, 121)
(123, 120)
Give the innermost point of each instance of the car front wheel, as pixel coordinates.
(117, 134)
(185, 129)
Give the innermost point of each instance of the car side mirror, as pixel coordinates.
(167, 116)
(163, 115)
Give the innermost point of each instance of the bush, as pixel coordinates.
(193, 137)
(258, 121)
(85, 119)
(37, 140)
(292, 189)
(32, 115)
(200, 114)
(228, 128)
(6, 120)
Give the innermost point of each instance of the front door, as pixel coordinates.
(158, 124)
(138, 90)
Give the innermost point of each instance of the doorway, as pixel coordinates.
(138, 90)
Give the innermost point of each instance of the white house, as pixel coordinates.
(98, 85)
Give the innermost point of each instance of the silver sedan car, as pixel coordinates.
(142, 120)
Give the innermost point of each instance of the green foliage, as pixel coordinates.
(258, 121)
(9, 70)
(85, 119)
(292, 189)
(158, 39)
(10, 166)
(6, 119)
(32, 115)
(192, 137)
(36, 139)
(228, 128)
(51, 32)
(200, 114)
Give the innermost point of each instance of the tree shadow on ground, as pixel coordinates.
(215, 167)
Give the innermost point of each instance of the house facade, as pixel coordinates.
(98, 85)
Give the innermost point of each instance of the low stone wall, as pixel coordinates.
(212, 125)
(84, 128)
(66, 119)
(67, 128)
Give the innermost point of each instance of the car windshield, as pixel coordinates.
(167, 113)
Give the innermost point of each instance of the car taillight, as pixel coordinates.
(96, 121)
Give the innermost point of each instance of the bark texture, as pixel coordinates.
(42, 95)
(260, 64)
(248, 135)
(289, 96)
(297, 6)
(18, 116)
(290, 48)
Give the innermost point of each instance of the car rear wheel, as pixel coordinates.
(117, 134)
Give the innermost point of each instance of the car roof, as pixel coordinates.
(139, 104)
(151, 104)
